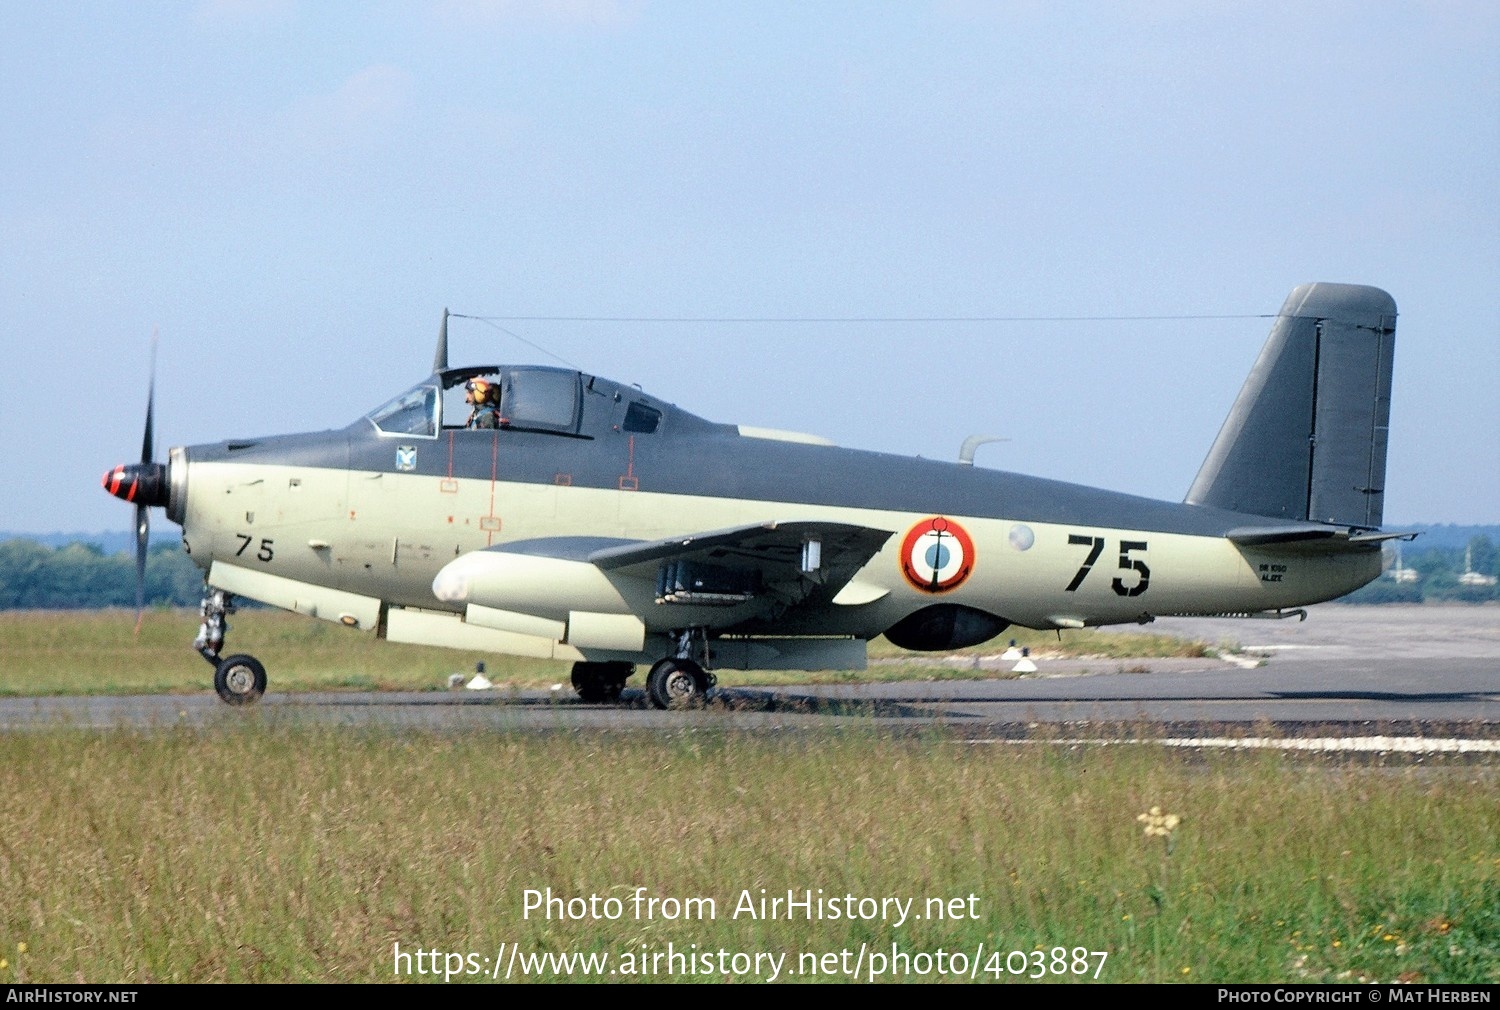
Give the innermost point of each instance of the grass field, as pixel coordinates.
(256, 854)
(260, 852)
(98, 652)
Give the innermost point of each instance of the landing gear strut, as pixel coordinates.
(680, 680)
(240, 680)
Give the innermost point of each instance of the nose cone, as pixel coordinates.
(139, 483)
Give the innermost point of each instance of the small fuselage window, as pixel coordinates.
(641, 418)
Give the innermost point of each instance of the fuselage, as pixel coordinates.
(379, 508)
(546, 513)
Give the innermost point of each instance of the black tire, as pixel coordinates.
(600, 683)
(240, 680)
(677, 683)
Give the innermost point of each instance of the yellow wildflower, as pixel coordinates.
(1158, 824)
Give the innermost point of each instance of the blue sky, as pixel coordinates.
(292, 192)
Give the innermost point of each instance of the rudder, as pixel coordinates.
(1306, 438)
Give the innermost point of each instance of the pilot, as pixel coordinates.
(483, 400)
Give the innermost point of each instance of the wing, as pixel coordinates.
(781, 563)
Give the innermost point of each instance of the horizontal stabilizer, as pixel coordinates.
(1311, 535)
(1375, 538)
(1256, 536)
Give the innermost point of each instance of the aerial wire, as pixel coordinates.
(494, 321)
(490, 321)
(854, 319)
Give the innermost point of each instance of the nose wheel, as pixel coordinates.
(240, 680)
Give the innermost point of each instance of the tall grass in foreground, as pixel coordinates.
(259, 854)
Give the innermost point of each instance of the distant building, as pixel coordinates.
(1400, 573)
(1472, 578)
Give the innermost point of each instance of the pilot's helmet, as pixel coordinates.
(478, 390)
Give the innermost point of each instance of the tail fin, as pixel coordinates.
(1306, 438)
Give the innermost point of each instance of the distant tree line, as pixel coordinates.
(81, 576)
(1469, 574)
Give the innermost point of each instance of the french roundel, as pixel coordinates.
(937, 555)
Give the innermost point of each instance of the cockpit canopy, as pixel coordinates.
(538, 399)
(532, 398)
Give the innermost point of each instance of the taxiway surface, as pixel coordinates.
(1423, 670)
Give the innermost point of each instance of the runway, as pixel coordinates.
(1402, 671)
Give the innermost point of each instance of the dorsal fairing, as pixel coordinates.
(612, 407)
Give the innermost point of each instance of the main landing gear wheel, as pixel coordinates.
(676, 683)
(240, 680)
(600, 682)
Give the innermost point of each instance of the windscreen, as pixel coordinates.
(414, 412)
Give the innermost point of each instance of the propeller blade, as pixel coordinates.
(142, 538)
(142, 511)
(148, 448)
